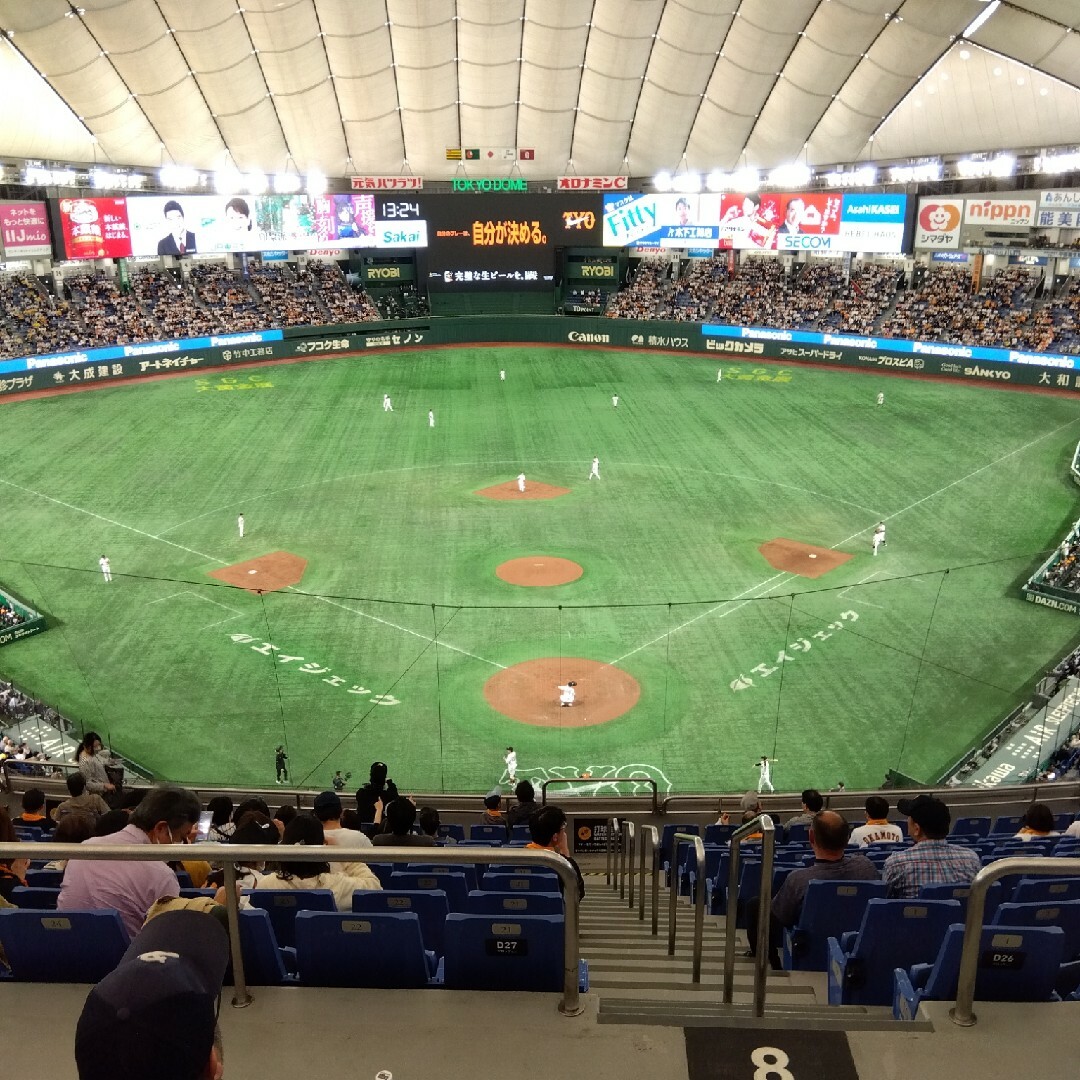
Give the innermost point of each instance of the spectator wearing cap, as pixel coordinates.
(525, 807)
(1038, 823)
(155, 1014)
(812, 802)
(81, 801)
(878, 829)
(379, 786)
(327, 809)
(400, 818)
(493, 814)
(932, 860)
(342, 879)
(167, 815)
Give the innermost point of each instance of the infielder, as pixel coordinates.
(568, 693)
(881, 398)
(431, 418)
(879, 536)
(511, 764)
(765, 774)
(594, 472)
(521, 481)
(106, 569)
(614, 401)
(240, 525)
(387, 405)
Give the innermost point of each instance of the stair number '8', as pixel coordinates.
(771, 1064)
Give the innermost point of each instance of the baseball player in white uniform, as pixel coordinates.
(106, 569)
(881, 398)
(594, 472)
(521, 481)
(567, 694)
(765, 775)
(879, 536)
(614, 401)
(719, 374)
(502, 375)
(431, 418)
(511, 764)
(387, 404)
(240, 525)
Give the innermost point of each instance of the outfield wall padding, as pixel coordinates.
(96, 366)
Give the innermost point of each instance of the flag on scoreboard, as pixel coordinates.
(453, 153)
(471, 155)
(527, 155)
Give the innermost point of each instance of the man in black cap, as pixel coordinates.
(155, 1015)
(932, 860)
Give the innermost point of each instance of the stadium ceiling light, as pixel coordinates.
(716, 180)
(981, 18)
(256, 182)
(228, 181)
(316, 182)
(178, 177)
(744, 180)
(286, 183)
(687, 182)
(794, 175)
(662, 181)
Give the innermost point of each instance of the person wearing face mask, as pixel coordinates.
(167, 815)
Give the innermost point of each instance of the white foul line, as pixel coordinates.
(840, 543)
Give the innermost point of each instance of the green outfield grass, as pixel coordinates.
(891, 662)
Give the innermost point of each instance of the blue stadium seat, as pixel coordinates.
(284, 904)
(980, 826)
(28, 834)
(1016, 963)
(548, 882)
(522, 953)
(718, 834)
(481, 902)
(372, 950)
(470, 870)
(34, 899)
(72, 947)
(1007, 825)
(893, 934)
(1065, 915)
(456, 832)
(717, 860)
(192, 894)
(383, 870)
(1063, 821)
(44, 879)
(830, 909)
(1045, 890)
(265, 963)
(667, 843)
(455, 886)
(961, 893)
(185, 879)
(495, 834)
(797, 833)
(430, 907)
(520, 833)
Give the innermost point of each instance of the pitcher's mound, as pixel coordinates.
(802, 559)
(529, 692)
(534, 489)
(539, 570)
(267, 573)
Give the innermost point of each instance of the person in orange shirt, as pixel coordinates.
(548, 828)
(33, 807)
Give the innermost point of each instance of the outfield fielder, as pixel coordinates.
(719, 374)
(240, 525)
(521, 481)
(614, 401)
(879, 536)
(106, 569)
(502, 375)
(881, 398)
(387, 405)
(431, 418)
(765, 775)
(594, 472)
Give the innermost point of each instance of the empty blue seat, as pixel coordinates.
(546, 882)
(718, 834)
(978, 825)
(893, 934)
(1063, 821)
(27, 833)
(521, 833)
(44, 879)
(455, 886)
(35, 899)
(495, 834)
(375, 950)
(797, 832)
(192, 894)
(960, 893)
(1065, 915)
(520, 953)
(430, 908)
(71, 947)
(265, 962)
(1031, 890)
(470, 870)
(831, 908)
(452, 832)
(284, 904)
(1006, 824)
(715, 858)
(482, 902)
(383, 870)
(1016, 963)
(667, 843)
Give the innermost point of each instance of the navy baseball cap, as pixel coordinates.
(156, 1013)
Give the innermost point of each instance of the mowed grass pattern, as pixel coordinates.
(840, 680)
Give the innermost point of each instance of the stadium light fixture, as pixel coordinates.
(981, 19)
(744, 180)
(796, 174)
(256, 182)
(716, 181)
(286, 183)
(228, 181)
(1057, 163)
(688, 182)
(178, 177)
(316, 182)
(663, 181)
(971, 168)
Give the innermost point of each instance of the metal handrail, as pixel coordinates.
(699, 900)
(628, 841)
(961, 1013)
(231, 854)
(653, 833)
(610, 850)
(587, 779)
(763, 824)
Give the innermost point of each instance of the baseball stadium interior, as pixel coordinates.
(629, 446)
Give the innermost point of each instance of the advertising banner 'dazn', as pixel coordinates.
(24, 229)
(774, 221)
